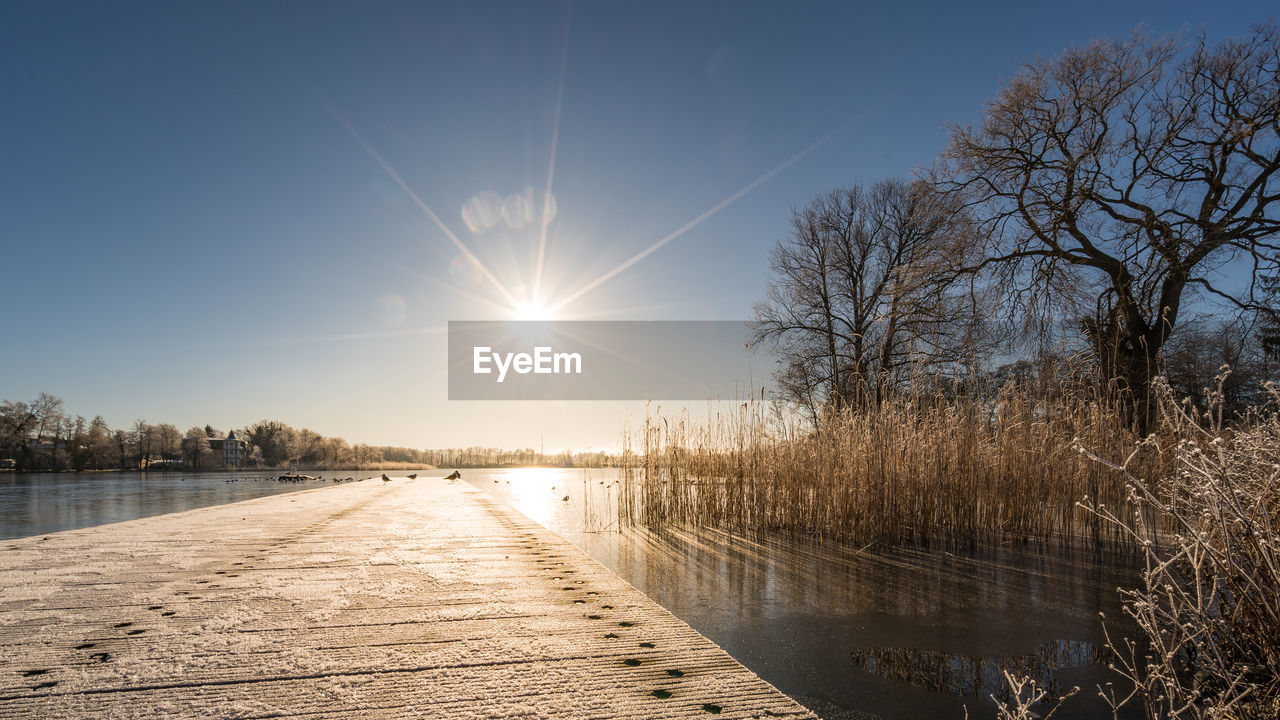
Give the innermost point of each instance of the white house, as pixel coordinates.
(230, 450)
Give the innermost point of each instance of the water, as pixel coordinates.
(41, 503)
(901, 635)
(853, 634)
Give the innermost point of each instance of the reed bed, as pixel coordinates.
(920, 470)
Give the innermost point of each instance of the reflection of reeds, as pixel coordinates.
(593, 517)
(975, 675)
(931, 470)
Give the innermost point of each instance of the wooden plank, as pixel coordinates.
(413, 598)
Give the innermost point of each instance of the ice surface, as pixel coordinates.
(423, 599)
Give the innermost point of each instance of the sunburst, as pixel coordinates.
(529, 302)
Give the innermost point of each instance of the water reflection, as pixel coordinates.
(40, 503)
(977, 675)
(796, 612)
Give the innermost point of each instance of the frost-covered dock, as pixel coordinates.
(413, 598)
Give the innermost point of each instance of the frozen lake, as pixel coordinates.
(850, 634)
(40, 503)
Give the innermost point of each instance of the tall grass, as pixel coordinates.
(936, 469)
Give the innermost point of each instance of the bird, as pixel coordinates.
(385, 478)
(455, 475)
(564, 499)
(414, 476)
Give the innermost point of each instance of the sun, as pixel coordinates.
(532, 310)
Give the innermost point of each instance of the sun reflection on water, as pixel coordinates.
(531, 491)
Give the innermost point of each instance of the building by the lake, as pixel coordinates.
(230, 451)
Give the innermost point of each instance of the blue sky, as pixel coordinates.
(195, 225)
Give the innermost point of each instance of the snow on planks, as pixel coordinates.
(414, 598)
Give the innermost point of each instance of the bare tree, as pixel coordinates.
(140, 442)
(799, 308)
(1132, 169)
(196, 452)
(336, 452)
(304, 448)
(48, 412)
(1199, 351)
(167, 440)
(863, 291)
(1269, 317)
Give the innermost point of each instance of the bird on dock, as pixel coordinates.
(414, 476)
(385, 478)
(455, 475)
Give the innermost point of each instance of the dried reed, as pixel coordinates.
(925, 470)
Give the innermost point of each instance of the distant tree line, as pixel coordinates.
(41, 435)
(275, 444)
(1104, 198)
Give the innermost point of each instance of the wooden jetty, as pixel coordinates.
(407, 599)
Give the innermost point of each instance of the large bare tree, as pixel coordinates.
(1131, 174)
(798, 313)
(861, 292)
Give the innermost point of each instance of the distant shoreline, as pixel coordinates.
(305, 468)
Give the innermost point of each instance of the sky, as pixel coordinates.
(223, 212)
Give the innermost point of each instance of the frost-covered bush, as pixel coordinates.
(1209, 602)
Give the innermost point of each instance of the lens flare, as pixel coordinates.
(486, 209)
(392, 310)
(517, 210)
(464, 272)
(482, 211)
